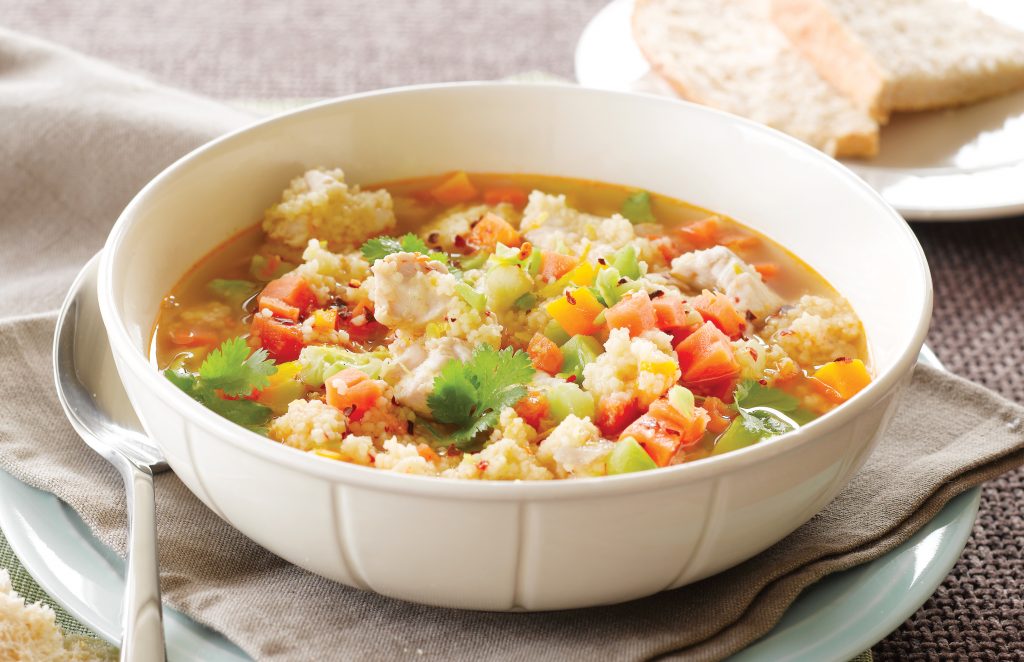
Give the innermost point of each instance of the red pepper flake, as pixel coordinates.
(526, 250)
(433, 238)
(453, 451)
(460, 241)
(842, 359)
(482, 465)
(623, 281)
(408, 427)
(348, 411)
(762, 382)
(753, 353)
(602, 261)
(569, 297)
(750, 316)
(657, 293)
(570, 378)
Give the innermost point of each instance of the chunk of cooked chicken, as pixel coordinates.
(410, 289)
(718, 268)
(413, 369)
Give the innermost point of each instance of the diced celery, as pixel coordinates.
(475, 299)
(474, 261)
(565, 399)
(626, 262)
(505, 283)
(637, 208)
(752, 426)
(526, 302)
(555, 333)
(321, 361)
(260, 268)
(505, 254)
(577, 352)
(607, 284)
(234, 291)
(532, 264)
(629, 456)
(278, 396)
(681, 398)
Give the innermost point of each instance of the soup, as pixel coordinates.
(507, 327)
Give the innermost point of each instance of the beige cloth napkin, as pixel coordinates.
(78, 139)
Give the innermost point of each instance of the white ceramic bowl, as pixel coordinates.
(506, 546)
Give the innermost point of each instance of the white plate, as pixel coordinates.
(840, 616)
(958, 164)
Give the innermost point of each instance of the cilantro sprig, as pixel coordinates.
(763, 412)
(469, 395)
(380, 247)
(229, 371)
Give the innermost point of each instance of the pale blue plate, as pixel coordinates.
(835, 619)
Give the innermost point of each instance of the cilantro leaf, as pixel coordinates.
(470, 395)
(637, 208)
(231, 369)
(380, 247)
(750, 428)
(749, 393)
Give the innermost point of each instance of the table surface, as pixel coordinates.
(323, 48)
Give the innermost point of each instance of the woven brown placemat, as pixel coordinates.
(241, 50)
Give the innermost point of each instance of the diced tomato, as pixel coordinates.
(663, 431)
(545, 354)
(193, 336)
(615, 413)
(719, 414)
(511, 194)
(281, 339)
(706, 356)
(455, 189)
(532, 408)
(719, 310)
(700, 234)
(291, 295)
(767, 269)
(555, 265)
(352, 392)
(491, 230)
(634, 312)
(670, 312)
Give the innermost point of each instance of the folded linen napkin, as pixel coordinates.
(78, 138)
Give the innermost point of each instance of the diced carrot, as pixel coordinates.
(555, 265)
(719, 310)
(511, 194)
(576, 311)
(739, 242)
(455, 189)
(670, 312)
(193, 336)
(842, 379)
(615, 413)
(545, 354)
(352, 392)
(706, 355)
(279, 308)
(719, 414)
(532, 408)
(702, 233)
(634, 312)
(427, 453)
(491, 230)
(767, 269)
(293, 292)
(282, 340)
(663, 430)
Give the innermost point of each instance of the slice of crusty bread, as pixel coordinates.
(727, 54)
(890, 55)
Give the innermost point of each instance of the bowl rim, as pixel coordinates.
(343, 472)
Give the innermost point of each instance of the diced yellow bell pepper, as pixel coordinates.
(576, 311)
(285, 372)
(842, 379)
(583, 274)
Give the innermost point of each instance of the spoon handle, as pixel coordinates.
(142, 618)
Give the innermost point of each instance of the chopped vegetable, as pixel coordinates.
(229, 372)
(719, 413)
(288, 297)
(681, 398)
(634, 312)
(554, 332)
(455, 189)
(555, 265)
(278, 396)
(511, 194)
(750, 428)
(282, 340)
(625, 260)
(504, 284)
(608, 287)
(470, 395)
(671, 313)
(352, 392)
(194, 336)
(629, 456)
(544, 354)
(232, 290)
(577, 352)
(637, 208)
(533, 262)
(474, 261)
(767, 269)
(701, 234)
(706, 355)
(615, 412)
(475, 299)
(842, 379)
(318, 362)
(533, 408)
(576, 311)
(265, 268)
(663, 431)
(380, 247)
(749, 393)
(566, 398)
(526, 302)
(583, 274)
(492, 230)
(718, 309)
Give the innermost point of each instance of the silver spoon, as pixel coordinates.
(83, 370)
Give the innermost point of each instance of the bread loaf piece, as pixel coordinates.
(890, 55)
(728, 54)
